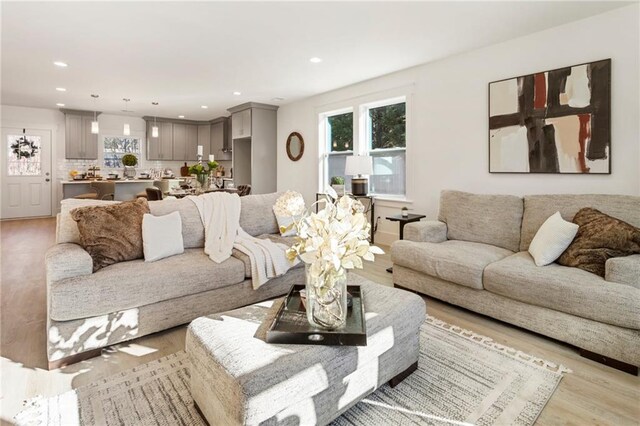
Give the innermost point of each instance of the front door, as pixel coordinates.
(26, 173)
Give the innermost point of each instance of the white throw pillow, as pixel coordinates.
(161, 236)
(288, 207)
(552, 239)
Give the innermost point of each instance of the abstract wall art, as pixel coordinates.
(556, 121)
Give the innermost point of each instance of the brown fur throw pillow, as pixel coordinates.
(112, 234)
(600, 237)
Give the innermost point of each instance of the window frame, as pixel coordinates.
(138, 154)
(325, 152)
(361, 138)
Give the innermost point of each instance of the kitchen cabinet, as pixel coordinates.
(191, 143)
(179, 142)
(204, 139)
(160, 148)
(218, 133)
(241, 124)
(179, 139)
(254, 146)
(80, 143)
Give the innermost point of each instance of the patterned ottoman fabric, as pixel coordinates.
(237, 378)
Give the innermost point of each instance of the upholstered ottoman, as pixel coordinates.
(237, 378)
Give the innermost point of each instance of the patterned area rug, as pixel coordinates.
(463, 378)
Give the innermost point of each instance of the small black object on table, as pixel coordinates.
(403, 221)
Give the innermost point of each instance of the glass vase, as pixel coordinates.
(203, 182)
(326, 302)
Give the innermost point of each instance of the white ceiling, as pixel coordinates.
(184, 55)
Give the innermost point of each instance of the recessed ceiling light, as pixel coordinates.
(181, 116)
(204, 106)
(60, 105)
(60, 64)
(315, 60)
(61, 89)
(237, 93)
(277, 98)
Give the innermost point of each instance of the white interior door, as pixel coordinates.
(26, 173)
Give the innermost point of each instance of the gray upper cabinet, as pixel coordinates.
(160, 148)
(153, 145)
(179, 139)
(241, 124)
(80, 143)
(204, 138)
(180, 142)
(90, 141)
(191, 143)
(166, 140)
(218, 134)
(185, 142)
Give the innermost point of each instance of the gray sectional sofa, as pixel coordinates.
(88, 311)
(475, 256)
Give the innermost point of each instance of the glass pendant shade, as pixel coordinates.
(154, 131)
(126, 130)
(94, 127)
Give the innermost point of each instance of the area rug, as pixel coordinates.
(463, 378)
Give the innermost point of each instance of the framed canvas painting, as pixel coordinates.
(556, 121)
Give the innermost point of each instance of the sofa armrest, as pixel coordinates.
(623, 270)
(428, 231)
(67, 260)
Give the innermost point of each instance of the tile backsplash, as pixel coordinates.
(67, 165)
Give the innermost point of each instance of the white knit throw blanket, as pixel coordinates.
(220, 214)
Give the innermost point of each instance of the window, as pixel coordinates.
(23, 158)
(381, 133)
(116, 147)
(339, 137)
(386, 143)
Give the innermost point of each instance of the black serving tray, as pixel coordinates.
(290, 325)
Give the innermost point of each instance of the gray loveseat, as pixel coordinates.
(88, 311)
(475, 256)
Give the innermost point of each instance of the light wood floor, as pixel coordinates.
(592, 394)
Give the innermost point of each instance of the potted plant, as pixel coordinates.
(202, 174)
(130, 162)
(337, 183)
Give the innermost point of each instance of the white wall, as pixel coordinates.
(447, 132)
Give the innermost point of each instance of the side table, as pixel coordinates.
(403, 221)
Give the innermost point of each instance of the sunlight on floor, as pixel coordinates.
(16, 379)
(417, 413)
(137, 350)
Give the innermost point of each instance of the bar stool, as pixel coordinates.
(244, 190)
(101, 191)
(153, 193)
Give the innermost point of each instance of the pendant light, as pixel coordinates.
(95, 129)
(126, 130)
(154, 128)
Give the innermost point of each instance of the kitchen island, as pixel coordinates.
(126, 189)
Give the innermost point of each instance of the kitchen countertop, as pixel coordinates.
(77, 182)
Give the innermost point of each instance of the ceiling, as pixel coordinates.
(187, 54)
